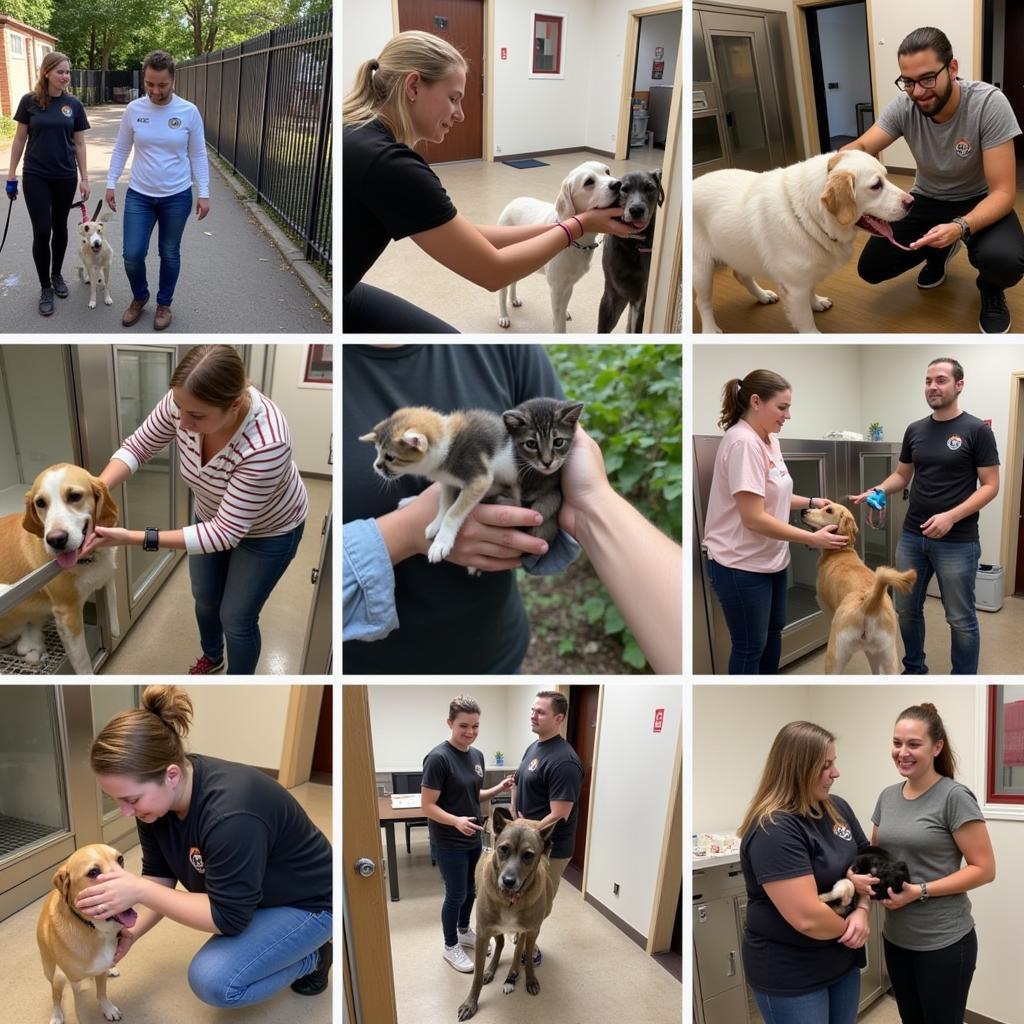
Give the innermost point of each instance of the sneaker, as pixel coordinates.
(456, 956)
(60, 287)
(468, 938)
(536, 957)
(933, 274)
(207, 666)
(46, 302)
(995, 317)
(315, 982)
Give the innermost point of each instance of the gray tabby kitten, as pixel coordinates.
(542, 431)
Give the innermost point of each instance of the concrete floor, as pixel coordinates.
(591, 972)
(166, 637)
(153, 987)
(480, 191)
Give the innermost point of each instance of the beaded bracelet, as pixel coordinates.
(568, 233)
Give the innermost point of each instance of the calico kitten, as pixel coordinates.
(469, 452)
(542, 430)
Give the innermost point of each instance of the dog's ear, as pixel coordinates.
(31, 522)
(62, 882)
(847, 524)
(564, 206)
(500, 817)
(832, 161)
(106, 507)
(839, 199)
(546, 833)
(661, 192)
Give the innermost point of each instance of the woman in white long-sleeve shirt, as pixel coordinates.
(167, 135)
(235, 454)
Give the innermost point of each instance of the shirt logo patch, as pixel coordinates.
(954, 443)
(174, 122)
(195, 858)
(842, 831)
(532, 766)
(142, 120)
(479, 770)
(66, 110)
(963, 148)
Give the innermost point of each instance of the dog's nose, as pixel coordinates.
(615, 185)
(908, 202)
(508, 881)
(637, 210)
(57, 539)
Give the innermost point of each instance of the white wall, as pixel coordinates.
(733, 728)
(307, 410)
(244, 724)
(630, 796)
(844, 43)
(658, 30)
(366, 25)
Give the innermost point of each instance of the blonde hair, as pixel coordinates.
(215, 374)
(142, 742)
(41, 92)
(794, 763)
(378, 92)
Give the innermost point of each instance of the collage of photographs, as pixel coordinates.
(533, 782)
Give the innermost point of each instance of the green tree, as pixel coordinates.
(215, 24)
(31, 12)
(96, 35)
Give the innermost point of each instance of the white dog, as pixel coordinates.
(95, 253)
(589, 185)
(794, 224)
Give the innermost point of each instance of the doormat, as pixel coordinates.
(522, 164)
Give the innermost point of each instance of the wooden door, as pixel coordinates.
(1018, 579)
(583, 701)
(1013, 67)
(323, 752)
(461, 23)
(368, 939)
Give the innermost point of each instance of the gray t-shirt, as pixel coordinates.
(920, 832)
(948, 155)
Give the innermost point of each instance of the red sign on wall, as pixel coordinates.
(659, 719)
(504, 53)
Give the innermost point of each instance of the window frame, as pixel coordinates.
(542, 16)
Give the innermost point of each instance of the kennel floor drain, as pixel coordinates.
(13, 664)
(16, 833)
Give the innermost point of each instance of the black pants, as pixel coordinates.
(996, 252)
(931, 987)
(49, 202)
(369, 310)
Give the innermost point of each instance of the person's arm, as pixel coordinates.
(118, 890)
(199, 163)
(560, 811)
(898, 480)
(80, 159)
(119, 156)
(873, 141)
(428, 805)
(367, 583)
(941, 523)
(798, 502)
(500, 235)
(796, 899)
(17, 148)
(506, 783)
(462, 248)
(756, 518)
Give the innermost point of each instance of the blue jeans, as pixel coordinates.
(278, 946)
(754, 604)
(955, 563)
(457, 868)
(836, 1004)
(230, 589)
(140, 214)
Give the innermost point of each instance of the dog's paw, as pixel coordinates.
(819, 303)
(110, 1011)
(439, 551)
(568, 315)
(504, 321)
(517, 302)
(113, 973)
(432, 527)
(768, 297)
(473, 571)
(509, 984)
(92, 303)
(57, 1017)
(533, 986)
(108, 301)
(488, 976)
(467, 1009)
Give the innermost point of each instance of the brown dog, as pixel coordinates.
(75, 947)
(61, 508)
(514, 893)
(863, 617)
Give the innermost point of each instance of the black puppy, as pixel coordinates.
(891, 873)
(627, 261)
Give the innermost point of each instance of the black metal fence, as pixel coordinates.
(266, 107)
(96, 87)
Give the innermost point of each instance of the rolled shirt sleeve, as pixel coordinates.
(368, 583)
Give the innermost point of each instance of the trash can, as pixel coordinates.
(988, 588)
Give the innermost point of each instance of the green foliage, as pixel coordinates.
(29, 12)
(8, 126)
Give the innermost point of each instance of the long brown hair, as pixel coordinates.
(795, 761)
(379, 88)
(41, 91)
(945, 759)
(144, 741)
(215, 374)
(737, 393)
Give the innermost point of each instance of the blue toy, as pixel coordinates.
(876, 508)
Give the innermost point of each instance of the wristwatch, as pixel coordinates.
(924, 892)
(152, 539)
(965, 228)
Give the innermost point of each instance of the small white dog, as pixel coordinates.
(589, 185)
(95, 253)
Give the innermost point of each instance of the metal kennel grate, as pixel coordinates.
(16, 833)
(13, 664)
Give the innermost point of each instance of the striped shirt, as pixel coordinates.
(250, 488)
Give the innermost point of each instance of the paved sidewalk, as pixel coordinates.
(233, 279)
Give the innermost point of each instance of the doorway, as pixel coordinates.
(581, 734)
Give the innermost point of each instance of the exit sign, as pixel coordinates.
(504, 53)
(659, 719)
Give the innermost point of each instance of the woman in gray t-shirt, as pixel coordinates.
(934, 824)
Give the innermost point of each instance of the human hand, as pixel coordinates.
(12, 189)
(858, 499)
(103, 537)
(938, 525)
(584, 481)
(125, 939)
(827, 539)
(608, 221)
(202, 208)
(507, 783)
(113, 892)
(862, 883)
(467, 826)
(857, 929)
(111, 199)
(942, 236)
(910, 894)
(83, 188)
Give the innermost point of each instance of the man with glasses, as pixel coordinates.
(961, 136)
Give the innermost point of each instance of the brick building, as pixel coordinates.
(22, 49)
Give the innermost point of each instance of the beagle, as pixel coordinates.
(63, 505)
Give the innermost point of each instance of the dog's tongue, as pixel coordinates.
(127, 918)
(67, 559)
(882, 228)
(513, 897)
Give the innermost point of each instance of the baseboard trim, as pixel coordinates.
(537, 154)
(627, 930)
(309, 475)
(970, 1017)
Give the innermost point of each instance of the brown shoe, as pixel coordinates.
(162, 318)
(131, 315)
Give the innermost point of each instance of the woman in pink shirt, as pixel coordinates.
(747, 532)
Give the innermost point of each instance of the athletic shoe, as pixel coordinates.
(207, 667)
(456, 956)
(46, 302)
(536, 953)
(995, 317)
(468, 938)
(315, 982)
(933, 274)
(59, 286)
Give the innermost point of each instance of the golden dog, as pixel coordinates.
(863, 617)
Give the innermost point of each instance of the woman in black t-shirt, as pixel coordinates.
(51, 132)
(802, 960)
(412, 93)
(451, 792)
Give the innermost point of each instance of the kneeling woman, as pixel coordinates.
(257, 871)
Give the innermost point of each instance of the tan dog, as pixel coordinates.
(95, 254)
(74, 947)
(863, 617)
(61, 508)
(514, 893)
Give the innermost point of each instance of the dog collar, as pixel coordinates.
(515, 897)
(586, 248)
(90, 923)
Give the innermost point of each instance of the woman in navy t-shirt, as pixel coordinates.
(801, 959)
(51, 133)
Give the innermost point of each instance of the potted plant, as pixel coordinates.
(875, 431)
(499, 758)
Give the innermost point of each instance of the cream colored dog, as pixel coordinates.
(95, 254)
(74, 947)
(863, 617)
(61, 508)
